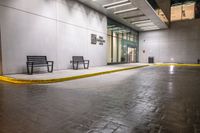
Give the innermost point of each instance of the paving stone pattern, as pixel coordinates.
(147, 100)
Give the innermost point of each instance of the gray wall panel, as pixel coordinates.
(56, 28)
(180, 43)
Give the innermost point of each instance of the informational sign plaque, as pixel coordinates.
(94, 39)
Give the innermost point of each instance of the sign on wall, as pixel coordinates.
(95, 39)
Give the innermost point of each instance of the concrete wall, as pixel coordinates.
(58, 29)
(180, 43)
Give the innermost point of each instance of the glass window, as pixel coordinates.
(109, 54)
(188, 11)
(115, 45)
(183, 11)
(119, 47)
(176, 12)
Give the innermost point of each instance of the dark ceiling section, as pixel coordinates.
(182, 1)
(173, 2)
(153, 4)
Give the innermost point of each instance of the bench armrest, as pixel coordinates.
(50, 62)
(29, 63)
(72, 61)
(86, 60)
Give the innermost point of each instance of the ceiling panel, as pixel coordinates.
(132, 13)
(119, 11)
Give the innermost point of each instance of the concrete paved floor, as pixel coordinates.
(147, 100)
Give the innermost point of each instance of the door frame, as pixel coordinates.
(135, 54)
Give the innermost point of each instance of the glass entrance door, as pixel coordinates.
(120, 38)
(132, 55)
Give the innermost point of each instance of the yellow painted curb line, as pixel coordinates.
(21, 81)
(178, 65)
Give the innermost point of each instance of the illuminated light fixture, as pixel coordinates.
(127, 10)
(123, 31)
(115, 28)
(117, 4)
(111, 26)
(142, 21)
(150, 28)
(136, 16)
(145, 24)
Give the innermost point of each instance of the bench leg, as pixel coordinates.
(52, 68)
(28, 69)
(73, 65)
(28, 72)
(77, 66)
(86, 65)
(48, 69)
(31, 69)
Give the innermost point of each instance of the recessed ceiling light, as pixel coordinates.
(117, 4)
(150, 28)
(127, 10)
(110, 26)
(145, 24)
(135, 16)
(142, 21)
(115, 28)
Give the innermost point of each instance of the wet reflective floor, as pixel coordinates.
(147, 100)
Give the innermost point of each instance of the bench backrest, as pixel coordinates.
(77, 58)
(37, 59)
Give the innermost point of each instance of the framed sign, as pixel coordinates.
(93, 39)
(101, 40)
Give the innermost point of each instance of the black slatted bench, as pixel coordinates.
(76, 60)
(38, 61)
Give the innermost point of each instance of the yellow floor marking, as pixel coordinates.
(178, 65)
(21, 81)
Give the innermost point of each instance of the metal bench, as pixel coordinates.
(76, 60)
(38, 61)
